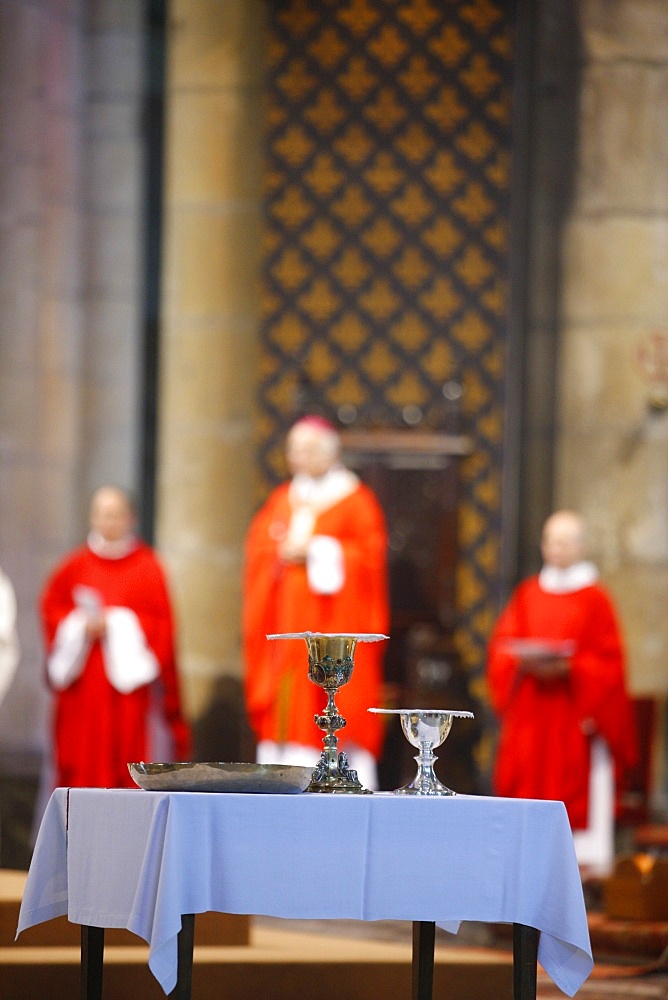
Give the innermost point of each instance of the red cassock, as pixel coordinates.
(98, 729)
(546, 725)
(280, 699)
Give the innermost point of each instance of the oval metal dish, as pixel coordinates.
(215, 776)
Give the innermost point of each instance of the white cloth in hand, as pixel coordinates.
(324, 565)
(9, 641)
(70, 649)
(128, 661)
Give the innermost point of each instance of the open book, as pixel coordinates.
(540, 647)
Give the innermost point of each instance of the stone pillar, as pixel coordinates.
(40, 399)
(112, 194)
(209, 327)
(70, 186)
(614, 294)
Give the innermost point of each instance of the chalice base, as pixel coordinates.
(418, 787)
(425, 781)
(332, 774)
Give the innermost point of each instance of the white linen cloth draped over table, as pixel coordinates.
(138, 859)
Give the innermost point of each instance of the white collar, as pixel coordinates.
(111, 550)
(324, 491)
(565, 581)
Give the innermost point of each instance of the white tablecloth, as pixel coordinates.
(138, 859)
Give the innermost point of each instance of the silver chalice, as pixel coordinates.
(425, 729)
(330, 666)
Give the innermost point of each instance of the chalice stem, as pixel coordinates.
(425, 777)
(332, 712)
(425, 781)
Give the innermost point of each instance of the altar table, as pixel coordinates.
(142, 860)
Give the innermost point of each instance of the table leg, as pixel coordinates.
(424, 933)
(186, 940)
(525, 957)
(92, 959)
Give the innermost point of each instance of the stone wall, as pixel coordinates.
(614, 290)
(209, 329)
(612, 449)
(70, 201)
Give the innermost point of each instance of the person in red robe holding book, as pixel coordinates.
(316, 561)
(110, 646)
(556, 677)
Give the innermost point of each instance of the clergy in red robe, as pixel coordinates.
(109, 636)
(556, 675)
(316, 561)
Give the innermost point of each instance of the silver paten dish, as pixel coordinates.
(215, 776)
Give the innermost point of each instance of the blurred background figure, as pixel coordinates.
(9, 641)
(556, 673)
(110, 645)
(316, 560)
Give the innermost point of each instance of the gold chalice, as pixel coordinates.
(330, 666)
(425, 729)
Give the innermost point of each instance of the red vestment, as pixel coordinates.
(546, 725)
(280, 699)
(97, 729)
